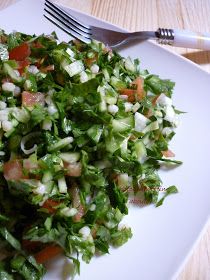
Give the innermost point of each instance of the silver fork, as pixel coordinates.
(86, 33)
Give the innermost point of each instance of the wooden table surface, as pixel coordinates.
(149, 15)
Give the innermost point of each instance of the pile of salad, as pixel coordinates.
(81, 128)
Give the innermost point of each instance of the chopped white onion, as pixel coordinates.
(8, 86)
(25, 139)
(123, 97)
(113, 109)
(85, 232)
(94, 68)
(17, 91)
(3, 105)
(33, 69)
(7, 125)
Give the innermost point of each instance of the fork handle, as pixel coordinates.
(183, 38)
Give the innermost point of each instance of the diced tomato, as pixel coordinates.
(90, 61)
(77, 218)
(6, 80)
(47, 68)
(40, 61)
(135, 94)
(22, 64)
(48, 253)
(73, 169)
(168, 153)
(31, 246)
(37, 45)
(30, 99)
(94, 232)
(139, 82)
(107, 49)
(20, 52)
(149, 113)
(154, 100)
(50, 205)
(13, 170)
(76, 203)
(130, 93)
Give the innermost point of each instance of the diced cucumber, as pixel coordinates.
(140, 151)
(74, 68)
(22, 115)
(95, 132)
(14, 124)
(62, 186)
(47, 176)
(111, 100)
(117, 83)
(110, 95)
(70, 157)
(102, 164)
(102, 105)
(140, 122)
(113, 143)
(11, 72)
(123, 124)
(70, 52)
(116, 71)
(129, 65)
(152, 126)
(122, 180)
(31, 84)
(68, 212)
(106, 74)
(60, 144)
(124, 146)
(40, 76)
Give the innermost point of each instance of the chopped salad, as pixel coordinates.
(81, 129)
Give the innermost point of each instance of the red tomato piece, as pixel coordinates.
(130, 93)
(139, 82)
(135, 94)
(20, 52)
(76, 203)
(168, 153)
(50, 205)
(31, 246)
(22, 64)
(13, 170)
(30, 99)
(81, 211)
(73, 169)
(47, 68)
(48, 253)
(37, 45)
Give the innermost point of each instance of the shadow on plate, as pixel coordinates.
(129, 44)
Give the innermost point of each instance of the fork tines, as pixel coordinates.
(66, 22)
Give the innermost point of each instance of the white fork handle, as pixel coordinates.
(190, 39)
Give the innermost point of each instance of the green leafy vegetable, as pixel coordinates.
(82, 129)
(169, 190)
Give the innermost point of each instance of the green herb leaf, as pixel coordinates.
(169, 190)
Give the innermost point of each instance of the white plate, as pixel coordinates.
(164, 236)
